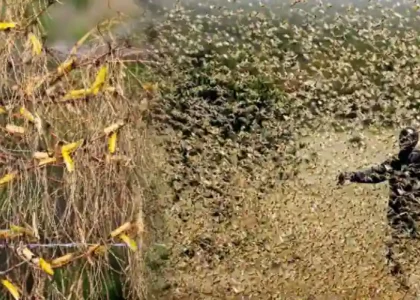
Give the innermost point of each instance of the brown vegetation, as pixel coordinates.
(65, 178)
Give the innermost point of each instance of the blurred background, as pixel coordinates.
(73, 18)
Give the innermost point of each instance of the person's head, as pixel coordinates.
(408, 138)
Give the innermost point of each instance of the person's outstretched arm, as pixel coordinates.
(375, 174)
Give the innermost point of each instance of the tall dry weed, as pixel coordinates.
(51, 194)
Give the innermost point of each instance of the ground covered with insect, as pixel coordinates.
(259, 109)
(204, 165)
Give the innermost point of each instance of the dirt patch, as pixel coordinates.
(337, 234)
(305, 238)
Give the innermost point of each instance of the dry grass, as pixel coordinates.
(60, 206)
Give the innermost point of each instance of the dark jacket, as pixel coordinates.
(404, 161)
(403, 175)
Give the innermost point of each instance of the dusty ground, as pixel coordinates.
(337, 233)
(307, 239)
